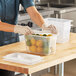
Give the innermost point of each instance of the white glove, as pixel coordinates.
(23, 30)
(52, 28)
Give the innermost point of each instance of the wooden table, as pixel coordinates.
(65, 52)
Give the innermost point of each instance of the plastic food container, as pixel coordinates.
(43, 44)
(63, 26)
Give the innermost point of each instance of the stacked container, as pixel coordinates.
(63, 26)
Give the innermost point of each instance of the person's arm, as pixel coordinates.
(16, 29)
(38, 19)
(35, 16)
(6, 27)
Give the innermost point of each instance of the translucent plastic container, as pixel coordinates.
(43, 45)
(63, 26)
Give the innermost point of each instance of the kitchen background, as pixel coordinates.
(59, 1)
(65, 9)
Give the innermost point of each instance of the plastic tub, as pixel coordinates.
(63, 26)
(43, 45)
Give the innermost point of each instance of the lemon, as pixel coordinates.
(39, 49)
(41, 35)
(49, 35)
(33, 41)
(39, 43)
(32, 49)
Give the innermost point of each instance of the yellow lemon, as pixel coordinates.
(41, 35)
(33, 41)
(39, 43)
(32, 48)
(39, 49)
(49, 35)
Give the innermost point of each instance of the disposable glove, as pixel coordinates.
(23, 30)
(52, 28)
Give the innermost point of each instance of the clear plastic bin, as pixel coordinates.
(43, 45)
(63, 26)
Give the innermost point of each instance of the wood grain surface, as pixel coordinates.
(65, 52)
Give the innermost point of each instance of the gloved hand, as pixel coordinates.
(23, 30)
(52, 28)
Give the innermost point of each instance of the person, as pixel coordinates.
(9, 32)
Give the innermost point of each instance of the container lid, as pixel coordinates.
(23, 58)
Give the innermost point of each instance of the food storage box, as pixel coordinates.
(63, 26)
(43, 44)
